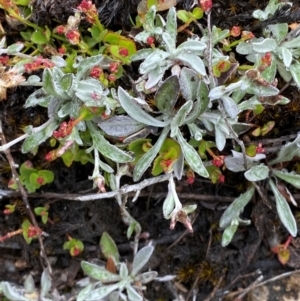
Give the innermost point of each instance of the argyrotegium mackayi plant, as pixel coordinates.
(29, 292)
(78, 98)
(158, 60)
(259, 172)
(259, 81)
(193, 84)
(205, 94)
(110, 282)
(32, 178)
(269, 55)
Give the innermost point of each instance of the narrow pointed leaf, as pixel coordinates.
(287, 57)
(136, 112)
(120, 126)
(218, 35)
(260, 90)
(150, 16)
(155, 76)
(192, 156)
(105, 148)
(169, 43)
(270, 72)
(133, 294)
(235, 208)
(284, 211)
(178, 167)
(180, 116)
(288, 151)
(141, 258)
(141, 54)
(10, 293)
(46, 283)
(67, 81)
(123, 270)
(109, 247)
(220, 137)
(230, 106)
(193, 61)
(84, 292)
(192, 46)
(171, 25)
(168, 205)
(99, 273)
(101, 292)
(293, 43)
(289, 177)
(195, 131)
(146, 277)
(201, 104)
(295, 70)
(146, 160)
(189, 208)
(14, 48)
(36, 139)
(219, 91)
(229, 232)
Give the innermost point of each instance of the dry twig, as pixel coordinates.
(24, 197)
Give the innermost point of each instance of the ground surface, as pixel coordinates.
(202, 266)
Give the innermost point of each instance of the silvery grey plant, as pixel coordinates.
(156, 61)
(260, 172)
(193, 84)
(29, 292)
(105, 285)
(208, 105)
(284, 53)
(279, 41)
(64, 94)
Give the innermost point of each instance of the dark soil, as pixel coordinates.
(202, 266)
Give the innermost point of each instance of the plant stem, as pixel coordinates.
(24, 196)
(10, 234)
(214, 84)
(6, 146)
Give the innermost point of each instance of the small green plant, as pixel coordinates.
(42, 212)
(167, 156)
(282, 251)
(264, 130)
(28, 231)
(9, 209)
(188, 17)
(32, 178)
(104, 282)
(75, 246)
